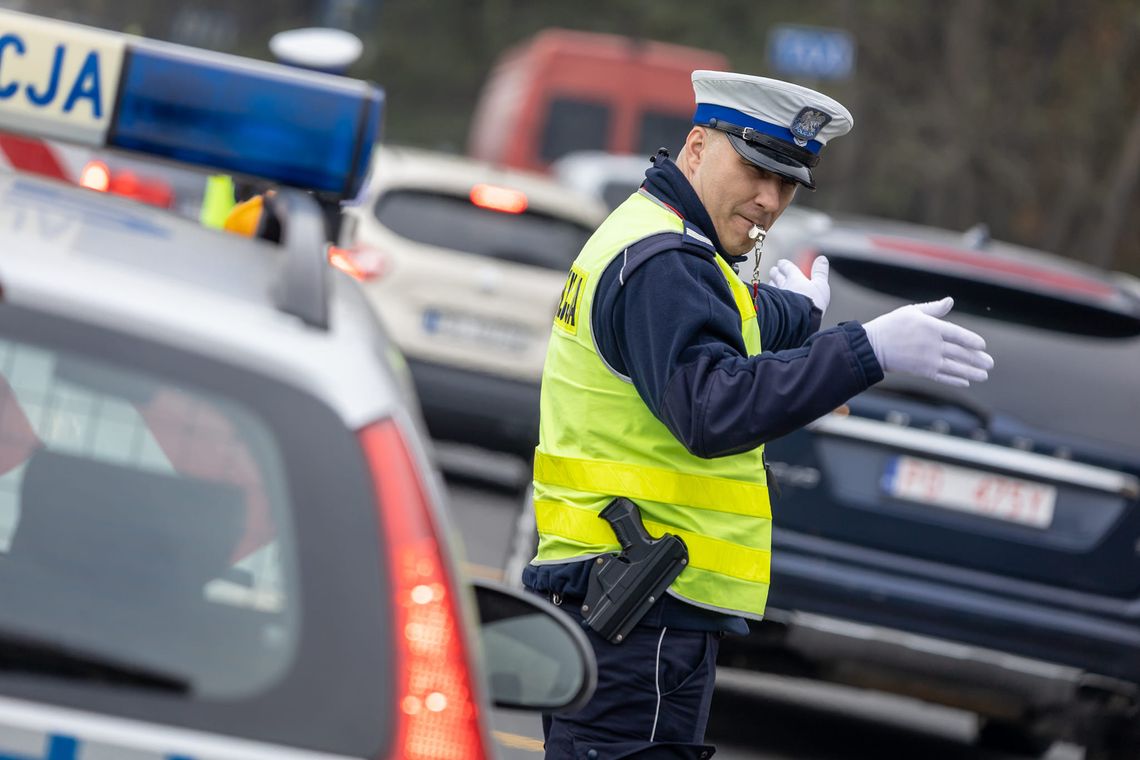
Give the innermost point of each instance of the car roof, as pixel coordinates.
(589, 169)
(432, 170)
(134, 269)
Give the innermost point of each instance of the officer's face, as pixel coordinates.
(736, 193)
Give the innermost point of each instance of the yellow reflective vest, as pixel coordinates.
(598, 440)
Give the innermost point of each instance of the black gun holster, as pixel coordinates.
(622, 587)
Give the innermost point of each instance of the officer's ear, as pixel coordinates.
(696, 143)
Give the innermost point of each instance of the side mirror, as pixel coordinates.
(535, 656)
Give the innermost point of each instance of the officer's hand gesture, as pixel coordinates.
(787, 276)
(915, 340)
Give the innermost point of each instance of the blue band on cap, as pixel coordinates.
(707, 112)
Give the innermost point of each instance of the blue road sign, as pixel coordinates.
(811, 51)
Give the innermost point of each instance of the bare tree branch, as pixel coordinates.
(1122, 189)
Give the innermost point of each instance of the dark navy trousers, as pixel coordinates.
(652, 701)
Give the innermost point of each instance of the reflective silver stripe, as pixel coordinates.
(593, 338)
(107, 736)
(987, 455)
(643, 192)
(657, 683)
(693, 233)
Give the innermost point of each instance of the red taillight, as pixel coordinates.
(498, 198)
(436, 709)
(95, 176)
(156, 192)
(361, 263)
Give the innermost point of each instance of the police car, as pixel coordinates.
(220, 533)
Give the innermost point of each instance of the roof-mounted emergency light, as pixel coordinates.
(70, 82)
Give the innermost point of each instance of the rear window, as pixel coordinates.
(180, 528)
(662, 130)
(991, 300)
(138, 507)
(1065, 367)
(454, 222)
(573, 125)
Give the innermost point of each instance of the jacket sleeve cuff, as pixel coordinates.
(864, 354)
(814, 320)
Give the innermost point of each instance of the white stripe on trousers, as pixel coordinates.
(657, 683)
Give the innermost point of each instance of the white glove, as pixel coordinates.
(912, 339)
(787, 276)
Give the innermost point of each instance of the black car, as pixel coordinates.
(977, 548)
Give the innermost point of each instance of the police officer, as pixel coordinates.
(664, 378)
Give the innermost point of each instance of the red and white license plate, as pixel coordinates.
(974, 491)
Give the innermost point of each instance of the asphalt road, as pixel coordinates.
(754, 716)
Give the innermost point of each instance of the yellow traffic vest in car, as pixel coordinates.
(598, 440)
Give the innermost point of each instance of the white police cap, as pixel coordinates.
(779, 126)
(317, 48)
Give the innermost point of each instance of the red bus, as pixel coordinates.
(563, 91)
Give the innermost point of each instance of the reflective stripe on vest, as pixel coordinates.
(598, 440)
(654, 484)
(704, 553)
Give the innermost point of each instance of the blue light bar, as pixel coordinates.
(298, 128)
(277, 123)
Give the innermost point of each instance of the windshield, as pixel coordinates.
(152, 516)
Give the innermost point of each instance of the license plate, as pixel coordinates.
(974, 491)
(503, 335)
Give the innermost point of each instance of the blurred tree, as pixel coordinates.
(1024, 114)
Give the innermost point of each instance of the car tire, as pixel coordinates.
(1120, 742)
(1129, 751)
(1012, 737)
(523, 544)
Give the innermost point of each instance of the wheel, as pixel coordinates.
(1120, 744)
(1012, 737)
(523, 544)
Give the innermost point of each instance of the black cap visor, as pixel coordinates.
(772, 161)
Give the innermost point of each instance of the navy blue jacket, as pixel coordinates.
(668, 321)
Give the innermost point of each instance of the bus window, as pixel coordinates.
(662, 130)
(574, 124)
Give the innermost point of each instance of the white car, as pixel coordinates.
(465, 264)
